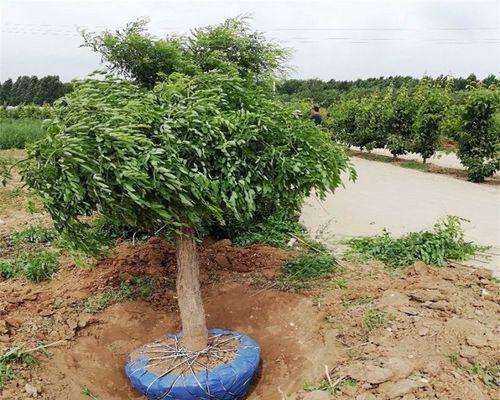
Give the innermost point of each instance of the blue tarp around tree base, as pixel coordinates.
(226, 382)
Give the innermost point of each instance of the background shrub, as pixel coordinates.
(479, 138)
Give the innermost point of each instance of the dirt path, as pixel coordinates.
(404, 200)
(441, 159)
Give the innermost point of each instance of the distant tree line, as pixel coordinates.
(326, 93)
(31, 89)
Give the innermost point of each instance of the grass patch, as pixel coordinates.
(309, 266)
(299, 272)
(374, 318)
(437, 247)
(341, 283)
(17, 133)
(34, 234)
(489, 375)
(276, 231)
(36, 267)
(8, 269)
(16, 356)
(412, 164)
(127, 290)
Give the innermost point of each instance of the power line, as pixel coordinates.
(295, 39)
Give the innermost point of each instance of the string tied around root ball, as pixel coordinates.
(165, 369)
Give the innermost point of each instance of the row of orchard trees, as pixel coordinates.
(417, 120)
(26, 111)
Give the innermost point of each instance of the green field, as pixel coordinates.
(16, 133)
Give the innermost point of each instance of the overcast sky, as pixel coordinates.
(345, 39)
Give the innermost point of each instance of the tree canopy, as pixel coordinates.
(135, 54)
(208, 143)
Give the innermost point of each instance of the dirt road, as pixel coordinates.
(404, 200)
(441, 159)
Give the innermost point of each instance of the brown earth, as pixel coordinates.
(439, 324)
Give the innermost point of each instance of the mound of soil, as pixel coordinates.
(425, 334)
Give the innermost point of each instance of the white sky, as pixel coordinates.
(340, 39)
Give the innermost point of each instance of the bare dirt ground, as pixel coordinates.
(403, 200)
(428, 333)
(415, 333)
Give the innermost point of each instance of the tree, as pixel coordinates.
(31, 90)
(194, 147)
(137, 55)
(432, 103)
(6, 92)
(50, 88)
(342, 121)
(479, 138)
(490, 80)
(471, 81)
(20, 91)
(401, 122)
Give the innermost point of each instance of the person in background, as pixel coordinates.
(316, 116)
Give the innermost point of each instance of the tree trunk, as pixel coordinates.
(193, 320)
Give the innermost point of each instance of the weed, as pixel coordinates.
(5, 170)
(348, 302)
(393, 273)
(9, 198)
(325, 385)
(341, 283)
(87, 392)
(275, 231)
(8, 269)
(308, 266)
(127, 290)
(36, 266)
(374, 318)
(15, 356)
(34, 234)
(446, 242)
(213, 277)
(490, 376)
(34, 206)
(454, 358)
